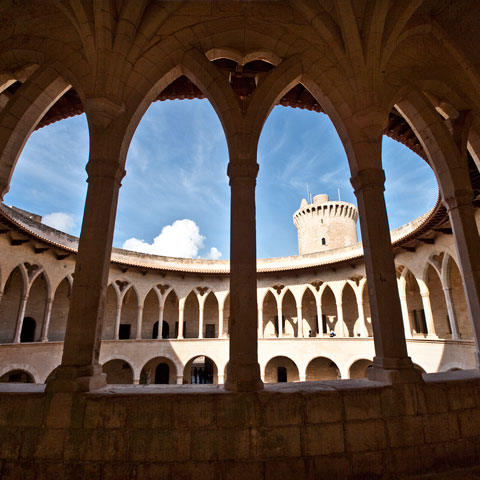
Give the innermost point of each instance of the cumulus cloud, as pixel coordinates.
(60, 220)
(181, 239)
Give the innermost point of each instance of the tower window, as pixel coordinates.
(324, 241)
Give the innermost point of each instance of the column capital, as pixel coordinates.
(105, 168)
(368, 178)
(459, 198)
(245, 172)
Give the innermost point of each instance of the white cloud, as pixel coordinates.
(60, 220)
(181, 239)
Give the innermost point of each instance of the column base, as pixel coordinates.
(78, 378)
(243, 378)
(394, 371)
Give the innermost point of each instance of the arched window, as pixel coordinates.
(324, 241)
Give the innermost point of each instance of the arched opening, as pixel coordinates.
(439, 306)
(191, 316)
(10, 304)
(170, 314)
(270, 327)
(200, 370)
(160, 371)
(366, 311)
(59, 314)
(27, 334)
(329, 311)
(309, 312)
(150, 315)
(110, 313)
(165, 330)
(416, 313)
(281, 369)
(322, 368)
(459, 301)
(350, 311)
(289, 313)
(118, 371)
(359, 368)
(210, 316)
(17, 376)
(128, 319)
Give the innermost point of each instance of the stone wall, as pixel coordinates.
(312, 430)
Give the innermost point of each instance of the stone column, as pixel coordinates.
(139, 322)
(406, 319)
(391, 362)
(160, 322)
(340, 327)
(260, 322)
(243, 372)
(220, 322)
(279, 319)
(299, 321)
(20, 315)
(181, 311)
(179, 379)
(118, 316)
(467, 241)
(80, 370)
(319, 320)
(427, 307)
(200, 318)
(46, 320)
(452, 318)
(361, 317)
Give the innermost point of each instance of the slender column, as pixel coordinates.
(221, 378)
(406, 319)
(220, 322)
(46, 320)
(243, 369)
(462, 218)
(391, 362)
(21, 313)
(427, 307)
(299, 321)
(260, 322)
(200, 319)
(319, 320)
(280, 320)
(179, 379)
(139, 322)
(181, 312)
(118, 316)
(136, 381)
(361, 317)
(80, 370)
(452, 318)
(160, 322)
(340, 327)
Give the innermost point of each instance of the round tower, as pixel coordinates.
(324, 224)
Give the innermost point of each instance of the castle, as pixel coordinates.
(394, 393)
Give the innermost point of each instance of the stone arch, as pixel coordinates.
(59, 314)
(200, 369)
(416, 312)
(281, 369)
(437, 300)
(270, 311)
(191, 314)
(289, 313)
(358, 369)
(322, 368)
(17, 376)
(226, 316)
(110, 311)
(151, 312)
(14, 289)
(159, 370)
(29, 369)
(128, 318)
(366, 306)
(39, 293)
(350, 310)
(309, 312)
(170, 313)
(118, 371)
(210, 316)
(329, 308)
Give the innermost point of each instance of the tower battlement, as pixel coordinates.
(324, 224)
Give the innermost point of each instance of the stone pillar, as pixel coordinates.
(139, 322)
(200, 318)
(160, 322)
(136, 381)
(427, 307)
(452, 318)
(340, 327)
(179, 379)
(181, 311)
(220, 322)
(80, 370)
(279, 320)
(243, 372)
(221, 378)
(299, 321)
(118, 316)
(260, 322)
(406, 319)
(391, 362)
(361, 318)
(21, 313)
(467, 241)
(319, 320)
(46, 320)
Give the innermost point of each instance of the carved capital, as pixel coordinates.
(459, 198)
(242, 171)
(372, 121)
(101, 111)
(105, 168)
(368, 178)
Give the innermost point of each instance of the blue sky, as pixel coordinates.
(175, 196)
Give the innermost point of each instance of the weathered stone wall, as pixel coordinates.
(326, 430)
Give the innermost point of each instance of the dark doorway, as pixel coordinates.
(210, 330)
(165, 330)
(124, 331)
(281, 374)
(162, 373)
(420, 321)
(324, 323)
(28, 330)
(202, 371)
